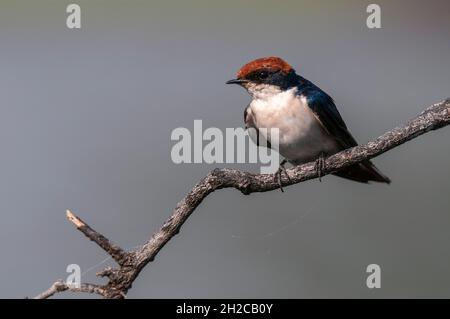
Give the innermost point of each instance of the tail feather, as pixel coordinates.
(363, 173)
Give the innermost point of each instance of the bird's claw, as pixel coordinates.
(320, 165)
(277, 175)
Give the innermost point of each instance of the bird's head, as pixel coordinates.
(265, 77)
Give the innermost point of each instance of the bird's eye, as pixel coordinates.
(263, 75)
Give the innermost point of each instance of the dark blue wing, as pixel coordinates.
(326, 112)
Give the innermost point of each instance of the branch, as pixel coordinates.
(117, 253)
(60, 286)
(132, 262)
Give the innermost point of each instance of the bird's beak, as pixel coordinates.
(236, 81)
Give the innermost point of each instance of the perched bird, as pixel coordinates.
(310, 126)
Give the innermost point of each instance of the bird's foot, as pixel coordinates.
(277, 175)
(320, 165)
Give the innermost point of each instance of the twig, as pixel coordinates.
(117, 253)
(60, 286)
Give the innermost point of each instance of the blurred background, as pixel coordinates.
(85, 123)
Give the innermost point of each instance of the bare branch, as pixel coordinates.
(131, 263)
(117, 253)
(60, 286)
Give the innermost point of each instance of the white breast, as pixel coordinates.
(302, 138)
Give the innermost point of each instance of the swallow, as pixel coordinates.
(309, 124)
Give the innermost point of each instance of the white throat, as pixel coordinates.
(262, 91)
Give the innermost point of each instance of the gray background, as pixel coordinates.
(85, 123)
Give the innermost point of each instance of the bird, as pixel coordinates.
(309, 124)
